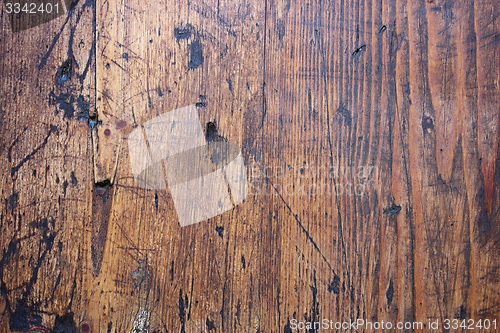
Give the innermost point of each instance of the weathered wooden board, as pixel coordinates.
(47, 96)
(370, 134)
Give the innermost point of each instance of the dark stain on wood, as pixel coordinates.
(427, 124)
(280, 29)
(26, 314)
(65, 186)
(334, 286)
(220, 231)
(84, 107)
(64, 72)
(65, 324)
(393, 209)
(183, 32)
(12, 200)
(195, 54)
(52, 129)
(74, 180)
(357, 51)
(210, 324)
(211, 133)
(287, 328)
(461, 313)
(121, 124)
(63, 102)
(390, 292)
(159, 92)
(24, 317)
(15, 142)
(314, 304)
(8, 253)
(93, 121)
(183, 305)
(102, 200)
(344, 114)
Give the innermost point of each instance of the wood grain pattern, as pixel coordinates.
(46, 98)
(370, 132)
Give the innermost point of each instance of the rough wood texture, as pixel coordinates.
(370, 132)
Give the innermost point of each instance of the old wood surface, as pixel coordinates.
(370, 133)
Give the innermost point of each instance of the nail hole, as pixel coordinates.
(85, 328)
(104, 183)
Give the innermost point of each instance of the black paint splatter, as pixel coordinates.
(220, 231)
(210, 324)
(195, 55)
(334, 287)
(64, 102)
(393, 209)
(390, 292)
(183, 32)
(359, 50)
(64, 72)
